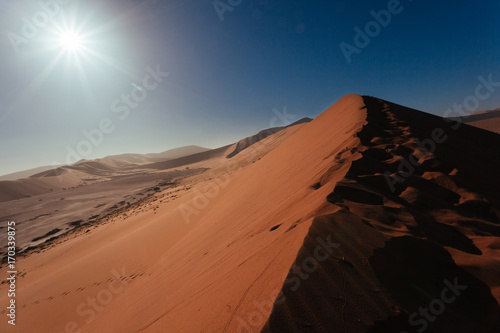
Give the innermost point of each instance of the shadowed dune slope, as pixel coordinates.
(417, 226)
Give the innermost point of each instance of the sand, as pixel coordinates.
(307, 212)
(488, 120)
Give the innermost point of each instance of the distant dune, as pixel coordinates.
(59, 178)
(47, 179)
(488, 120)
(99, 167)
(45, 182)
(351, 222)
(186, 160)
(130, 158)
(177, 153)
(126, 158)
(26, 173)
(248, 141)
(157, 157)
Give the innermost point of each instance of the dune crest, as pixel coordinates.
(415, 215)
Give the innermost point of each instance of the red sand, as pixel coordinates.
(214, 258)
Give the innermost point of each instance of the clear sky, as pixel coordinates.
(79, 64)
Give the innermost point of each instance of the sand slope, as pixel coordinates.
(15, 186)
(488, 120)
(197, 272)
(44, 182)
(251, 140)
(437, 219)
(79, 173)
(26, 173)
(215, 258)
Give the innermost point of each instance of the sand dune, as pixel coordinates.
(64, 177)
(186, 160)
(228, 236)
(251, 140)
(102, 188)
(131, 158)
(323, 212)
(177, 153)
(399, 241)
(49, 179)
(99, 166)
(124, 158)
(45, 182)
(488, 120)
(26, 173)
(157, 157)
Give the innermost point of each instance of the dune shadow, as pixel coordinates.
(435, 293)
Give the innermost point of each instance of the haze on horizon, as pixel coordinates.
(229, 72)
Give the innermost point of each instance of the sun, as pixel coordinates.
(70, 41)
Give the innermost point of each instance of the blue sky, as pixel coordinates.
(225, 77)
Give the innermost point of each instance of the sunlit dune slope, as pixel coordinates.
(488, 120)
(202, 261)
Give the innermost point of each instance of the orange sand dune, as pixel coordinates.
(48, 181)
(488, 120)
(174, 270)
(415, 214)
(59, 178)
(26, 173)
(251, 140)
(105, 188)
(328, 231)
(157, 157)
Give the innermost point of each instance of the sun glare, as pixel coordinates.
(70, 41)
